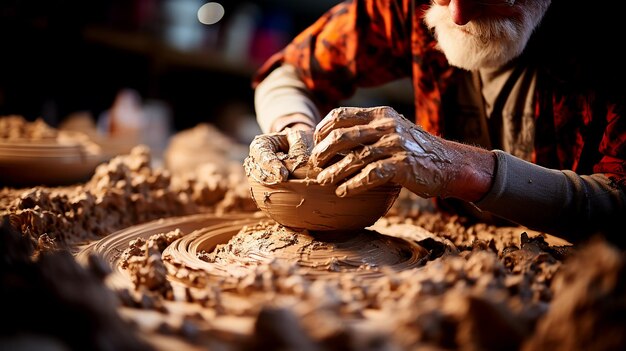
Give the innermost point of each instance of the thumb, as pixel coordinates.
(263, 164)
(300, 143)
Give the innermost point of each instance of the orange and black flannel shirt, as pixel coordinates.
(365, 43)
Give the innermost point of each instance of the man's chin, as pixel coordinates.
(477, 62)
(472, 54)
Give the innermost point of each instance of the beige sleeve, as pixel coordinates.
(558, 202)
(282, 94)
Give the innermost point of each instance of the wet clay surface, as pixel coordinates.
(122, 192)
(362, 253)
(162, 264)
(302, 203)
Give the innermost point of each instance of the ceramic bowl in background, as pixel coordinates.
(68, 159)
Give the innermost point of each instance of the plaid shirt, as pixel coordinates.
(364, 43)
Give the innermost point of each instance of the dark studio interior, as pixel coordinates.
(67, 57)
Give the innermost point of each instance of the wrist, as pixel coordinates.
(473, 173)
(299, 126)
(296, 121)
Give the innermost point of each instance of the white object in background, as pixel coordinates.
(240, 30)
(211, 13)
(124, 118)
(157, 129)
(182, 29)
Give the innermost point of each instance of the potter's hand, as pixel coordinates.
(380, 146)
(274, 156)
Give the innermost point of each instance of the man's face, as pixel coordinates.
(473, 34)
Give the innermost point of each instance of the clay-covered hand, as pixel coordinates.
(378, 146)
(274, 156)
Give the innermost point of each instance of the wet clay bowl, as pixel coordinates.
(305, 204)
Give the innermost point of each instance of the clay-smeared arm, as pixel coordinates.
(379, 146)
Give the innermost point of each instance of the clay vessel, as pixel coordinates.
(69, 158)
(305, 204)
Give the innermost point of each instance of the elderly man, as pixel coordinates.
(516, 112)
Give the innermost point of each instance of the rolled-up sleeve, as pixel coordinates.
(282, 94)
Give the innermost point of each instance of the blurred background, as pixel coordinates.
(157, 65)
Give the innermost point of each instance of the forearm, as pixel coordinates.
(557, 202)
(282, 100)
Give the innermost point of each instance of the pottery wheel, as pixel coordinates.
(111, 247)
(226, 267)
(229, 247)
(319, 255)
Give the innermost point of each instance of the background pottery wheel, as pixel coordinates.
(69, 159)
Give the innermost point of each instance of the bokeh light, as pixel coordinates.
(210, 13)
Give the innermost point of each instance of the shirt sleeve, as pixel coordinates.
(356, 43)
(613, 143)
(558, 202)
(282, 94)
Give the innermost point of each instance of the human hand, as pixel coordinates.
(379, 145)
(274, 156)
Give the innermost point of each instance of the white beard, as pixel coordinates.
(485, 41)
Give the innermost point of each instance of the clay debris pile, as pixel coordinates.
(458, 286)
(492, 290)
(16, 127)
(123, 191)
(142, 259)
(208, 164)
(319, 255)
(53, 303)
(494, 293)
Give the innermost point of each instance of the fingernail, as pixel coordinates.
(314, 149)
(341, 191)
(280, 173)
(322, 179)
